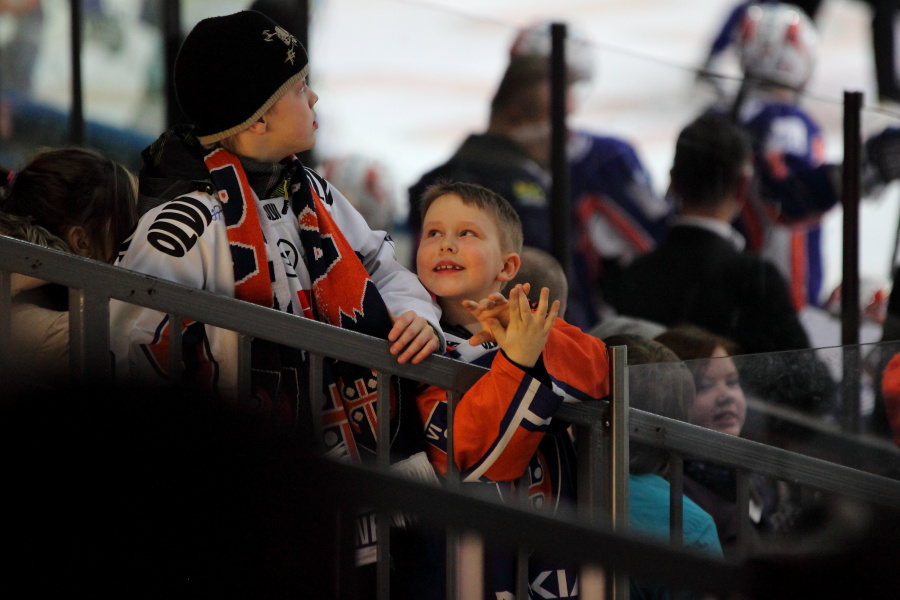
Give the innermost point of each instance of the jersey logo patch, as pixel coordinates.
(178, 226)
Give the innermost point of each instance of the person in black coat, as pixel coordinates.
(701, 274)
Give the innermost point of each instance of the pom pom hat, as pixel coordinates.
(232, 69)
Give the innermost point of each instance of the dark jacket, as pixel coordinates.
(696, 276)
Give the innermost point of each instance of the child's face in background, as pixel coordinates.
(291, 122)
(720, 402)
(460, 256)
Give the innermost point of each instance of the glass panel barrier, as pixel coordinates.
(795, 401)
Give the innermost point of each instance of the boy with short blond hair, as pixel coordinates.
(503, 428)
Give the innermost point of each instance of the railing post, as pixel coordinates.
(175, 349)
(5, 320)
(244, 370)
(171, 21)
(676, 500)
(383, 463)
(316, 383)
(617, 452)
(76, 114)
(850, 312)
(90, 360)
(5, 308)
(560, 203)
(742, 504)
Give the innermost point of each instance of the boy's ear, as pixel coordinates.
(511, 265)
(259, 126)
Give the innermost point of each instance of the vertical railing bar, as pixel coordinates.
(560, 215)
(523, 551)
(244, 369)
(618, 457)
(453, 477)
(5, 308)
(345, 562)
(89, 356)
(453, 484)
(589, 442)
(175, 349)
(591, 578)
(5, 320)
(316, 383)
(594, 487)
(850, 313)
(77, 359)
(676, 500)
(171, 20)
(76, 116)
(383, 463)
(742, 502)
(471, 574)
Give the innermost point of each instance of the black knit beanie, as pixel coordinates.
(232, 69)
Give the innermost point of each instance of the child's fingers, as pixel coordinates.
(401, 323)
(482, 337)
(430, 347)
(542, 308)
(496, 329)
(524, 305)
(551, 316)
(516, 297)
(418, 341)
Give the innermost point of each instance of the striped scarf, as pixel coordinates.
(343, 295)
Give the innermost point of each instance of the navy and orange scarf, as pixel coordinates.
(343, 295)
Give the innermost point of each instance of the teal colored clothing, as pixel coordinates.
(648, 506)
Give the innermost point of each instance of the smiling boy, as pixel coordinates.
(503, 428)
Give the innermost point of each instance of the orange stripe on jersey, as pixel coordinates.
(619, 220)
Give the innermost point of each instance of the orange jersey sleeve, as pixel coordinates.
(501, 420)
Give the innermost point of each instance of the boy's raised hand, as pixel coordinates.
(495, 306)
(524, 337)
(414, 338)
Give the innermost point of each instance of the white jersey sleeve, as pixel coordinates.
(183, 241)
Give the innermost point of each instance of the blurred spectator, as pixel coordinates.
(700, 274)
(70, 199)
(368, 184)
(541, 269)
(720, 405)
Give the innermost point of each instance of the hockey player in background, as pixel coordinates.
(616, 215)
(794, 184)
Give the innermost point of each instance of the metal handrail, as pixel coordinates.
(94, 283)
(706, 444)
(108, 281)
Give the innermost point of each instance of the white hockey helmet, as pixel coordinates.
(536, 40)
(777, 44)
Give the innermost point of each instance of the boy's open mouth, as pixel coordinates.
(447, 266)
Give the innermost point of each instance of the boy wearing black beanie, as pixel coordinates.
(227, 207)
